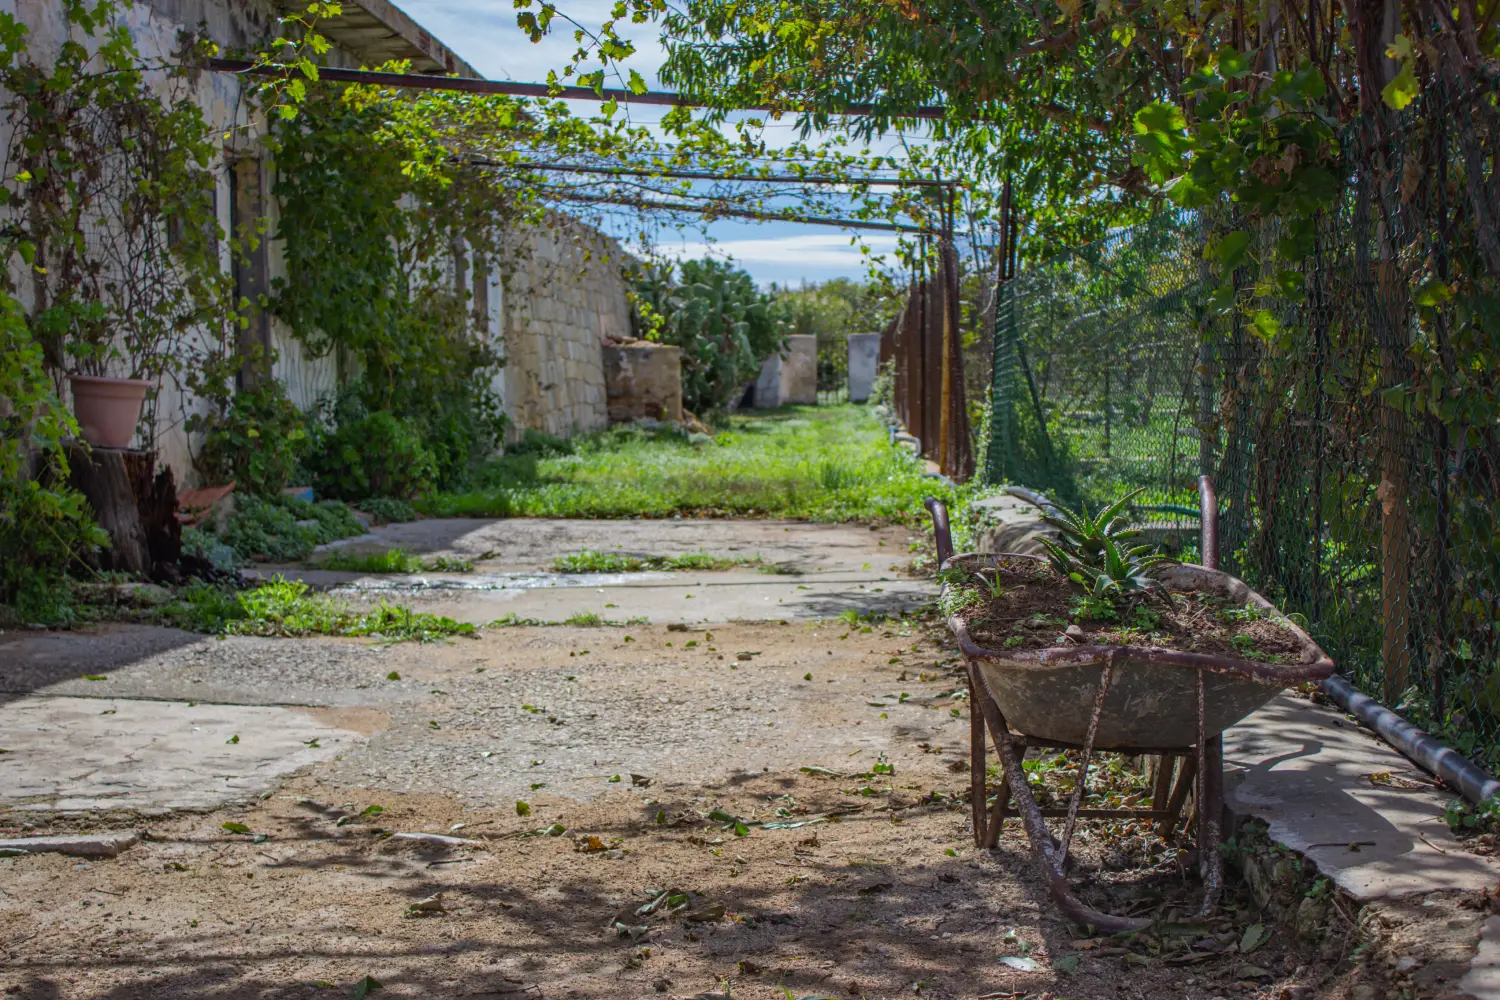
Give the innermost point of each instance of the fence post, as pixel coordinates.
(1206, 440)
(1395, 538)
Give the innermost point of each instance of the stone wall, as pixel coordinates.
(565, 297)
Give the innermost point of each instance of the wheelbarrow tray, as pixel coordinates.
(1152, 698)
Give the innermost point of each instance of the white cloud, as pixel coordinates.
(814, 250)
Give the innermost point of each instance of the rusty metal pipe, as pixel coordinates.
(470, 85)
(1460, 773)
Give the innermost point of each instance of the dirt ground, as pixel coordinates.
(753, 809)
(882, 896)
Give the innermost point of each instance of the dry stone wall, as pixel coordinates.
(565, 298)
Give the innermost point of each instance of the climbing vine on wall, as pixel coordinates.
(109, 235)
(110, 188)
(380, 258)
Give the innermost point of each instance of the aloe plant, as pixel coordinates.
(1083, 536)
(1091, 553)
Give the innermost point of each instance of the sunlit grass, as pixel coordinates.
(286, 608)
(818, 463)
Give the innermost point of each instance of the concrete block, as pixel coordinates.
(1483, 978)
(864, 363)
(799, 370)
(1305, 771)
(1008, 524)
(641, 380)
(767, 392)
(92, 845)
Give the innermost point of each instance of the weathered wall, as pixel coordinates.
(643, 380)
(567, 296)
(223, 101)
(564, 298)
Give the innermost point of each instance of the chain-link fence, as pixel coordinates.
(1348, 411)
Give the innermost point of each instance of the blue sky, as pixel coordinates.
(484, 32)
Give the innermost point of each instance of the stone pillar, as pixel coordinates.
(864, 362)
(799, 370)
(767, 394)
(643, 380)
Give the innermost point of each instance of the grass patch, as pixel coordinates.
(388, 561)
(396, 560)
(819, 463)
(286, 608)
(592, 561)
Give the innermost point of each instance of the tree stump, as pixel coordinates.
(109, 478)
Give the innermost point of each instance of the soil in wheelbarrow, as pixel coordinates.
(1038, 608)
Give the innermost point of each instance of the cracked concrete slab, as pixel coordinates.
(67, 754)
(726, 596)
(1482, 981)
(1307, 772)
(521, 544)
(821, 570)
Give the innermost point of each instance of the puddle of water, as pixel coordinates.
(495, 581)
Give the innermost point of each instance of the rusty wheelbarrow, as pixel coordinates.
(1138, 700)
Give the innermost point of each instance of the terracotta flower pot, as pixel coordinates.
(107, 408)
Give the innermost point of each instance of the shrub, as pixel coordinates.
(723, 323)
(540, 444)
(269, 529)
(45, 525)
(43, 530)
(256, 441)
(388, 509)
(371, 455)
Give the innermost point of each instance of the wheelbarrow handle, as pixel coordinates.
(1208, 521)
(942, 536)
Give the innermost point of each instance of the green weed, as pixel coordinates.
(591, 619)
(819, 463)
(286, 608)
(278, 530)
(396, 560)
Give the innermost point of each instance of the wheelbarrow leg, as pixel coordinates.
(997, 814)
(1210, 808)
(977, 765)
(1210, 813)
(1162, 787)
(1042, 847)
(986, 828)
(1185, 778)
